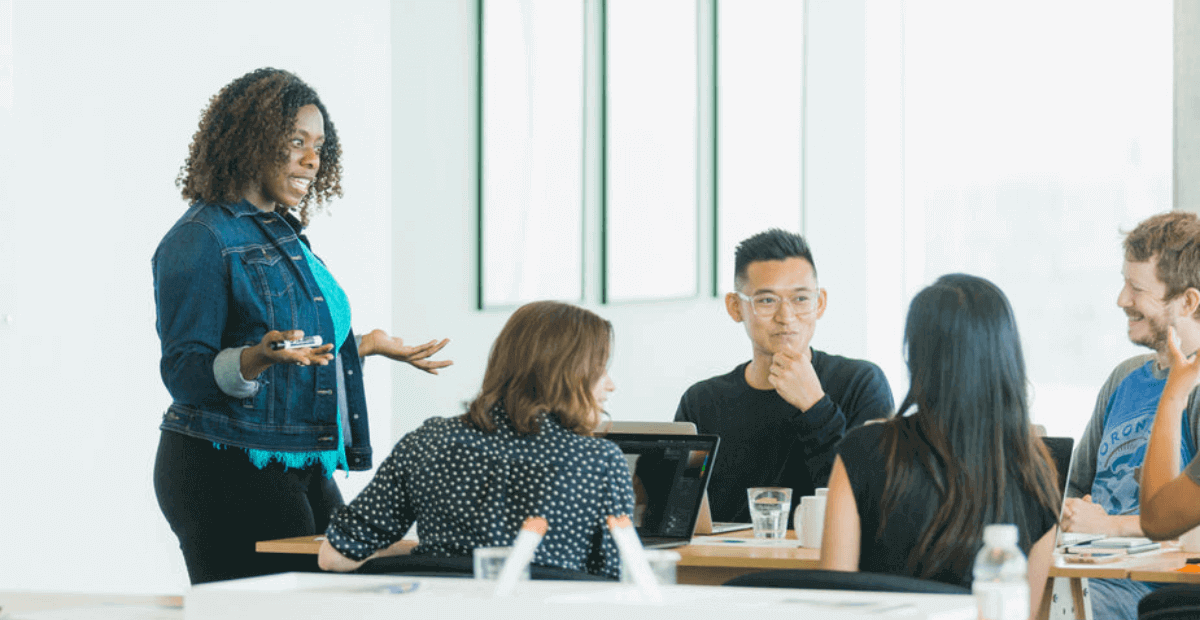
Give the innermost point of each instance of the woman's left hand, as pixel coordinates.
(378, 342)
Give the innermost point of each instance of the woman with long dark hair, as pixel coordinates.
(912, 495)
(524, 448)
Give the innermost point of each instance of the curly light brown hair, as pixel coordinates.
(243, 138)
(1174, 238)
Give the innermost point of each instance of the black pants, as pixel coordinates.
(219, 505)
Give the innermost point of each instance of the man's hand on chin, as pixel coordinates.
(793, 377)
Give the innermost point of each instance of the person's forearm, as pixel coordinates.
(1162, 455)
(254, 362)
(227, 368)
(331, 559)
(1125, 525)
(818, 432)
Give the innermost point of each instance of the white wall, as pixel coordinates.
(106, 96)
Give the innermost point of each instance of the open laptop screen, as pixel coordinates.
(670, 474)
(1061, 449)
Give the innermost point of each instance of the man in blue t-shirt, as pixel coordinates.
(1162, 288)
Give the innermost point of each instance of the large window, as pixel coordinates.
(760, 82)
(1034, 134)
(651, 154)
(624, 152)
(531, 173)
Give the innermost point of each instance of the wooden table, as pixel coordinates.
(1162, 566)
(1166, 568)
(698, 565)
(713, 565)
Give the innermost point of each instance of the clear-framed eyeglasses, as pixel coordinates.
(766, 304)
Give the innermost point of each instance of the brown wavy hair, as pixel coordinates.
(243, 138)
(1174, 237)
(547, 359)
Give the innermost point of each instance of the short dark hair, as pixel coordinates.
(772, 244)
(1174, 237)
(243, 135)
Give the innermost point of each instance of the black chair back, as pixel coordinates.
(419, 565)
(1180, 602)
(462, 566)
(815, 579)
(1060, 450)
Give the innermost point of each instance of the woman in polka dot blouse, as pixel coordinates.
(524, 448)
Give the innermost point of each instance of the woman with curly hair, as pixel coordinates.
(256, 429)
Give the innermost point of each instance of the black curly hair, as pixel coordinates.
(243, 137)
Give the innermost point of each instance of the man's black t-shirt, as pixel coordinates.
(767, 442)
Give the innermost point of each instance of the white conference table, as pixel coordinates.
(369, 597)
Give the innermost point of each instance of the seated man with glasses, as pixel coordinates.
(781, 414)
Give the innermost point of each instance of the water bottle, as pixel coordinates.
(1000, 587)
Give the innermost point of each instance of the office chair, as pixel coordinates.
(815, 579)
(462, 566)
(1060, 450)
(1179, 602)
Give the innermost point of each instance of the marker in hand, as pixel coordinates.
(633, 556)
(527, 542)
(303, 343)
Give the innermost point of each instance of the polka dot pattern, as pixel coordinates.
(465, 488)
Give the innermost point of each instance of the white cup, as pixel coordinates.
(813, 511)
(822, 492)
(1190, 540)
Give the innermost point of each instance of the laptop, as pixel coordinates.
(704, 523)
(670, 476)
(655, 428)
(1061, 451)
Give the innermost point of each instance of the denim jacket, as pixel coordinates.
(224, 275)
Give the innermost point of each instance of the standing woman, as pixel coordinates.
(254, 433)
(911, 495)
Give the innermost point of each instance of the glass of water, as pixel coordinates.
(489, 561)
(769, 508)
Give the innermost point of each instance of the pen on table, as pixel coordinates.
(633, 557)
(521, 555)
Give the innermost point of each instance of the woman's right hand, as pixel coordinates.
(261, 356)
